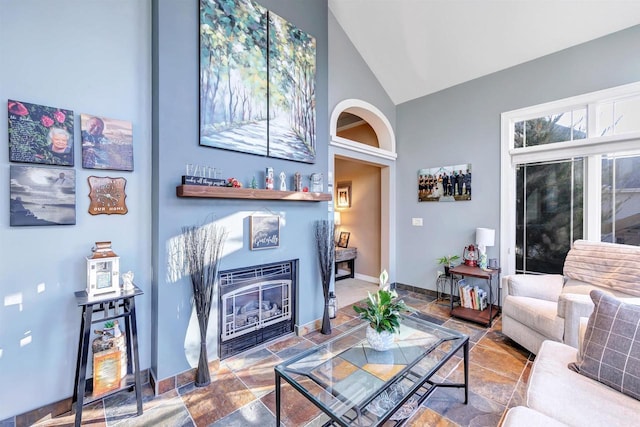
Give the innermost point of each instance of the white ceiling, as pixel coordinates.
(418, 47)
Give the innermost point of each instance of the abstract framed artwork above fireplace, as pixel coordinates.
(257, 304)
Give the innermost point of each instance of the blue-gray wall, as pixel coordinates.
(94, 57)
(351, 78)
(176, 143)
(462, 125)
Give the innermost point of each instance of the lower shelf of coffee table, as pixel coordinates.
(476, 316)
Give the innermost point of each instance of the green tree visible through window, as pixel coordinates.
(549, 201)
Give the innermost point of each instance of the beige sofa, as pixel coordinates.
(558, 396)
(536, 308)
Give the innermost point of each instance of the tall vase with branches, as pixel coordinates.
(326, 253)
(203, 248)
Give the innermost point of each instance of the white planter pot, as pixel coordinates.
(379, 341)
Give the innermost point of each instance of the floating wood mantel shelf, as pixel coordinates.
(204, 191)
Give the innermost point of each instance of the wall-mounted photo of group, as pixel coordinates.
(445, 183)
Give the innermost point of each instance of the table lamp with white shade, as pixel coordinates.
(337, 219)
(484, 237)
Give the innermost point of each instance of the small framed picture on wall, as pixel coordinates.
(343, 196)
(265, 232)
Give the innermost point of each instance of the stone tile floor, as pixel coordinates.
(242, 393)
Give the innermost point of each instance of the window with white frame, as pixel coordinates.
(571, 170)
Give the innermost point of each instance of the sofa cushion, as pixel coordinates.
(519, 416)
(572, 398)
(608, 265)
(547, 286)
(538, 314)
(611, 352)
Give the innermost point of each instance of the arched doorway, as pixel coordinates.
(382, 156)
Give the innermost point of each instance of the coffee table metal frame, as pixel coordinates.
(357, 413)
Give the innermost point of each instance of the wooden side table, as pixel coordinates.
(486, 316)
(112, 307)
(349, 256)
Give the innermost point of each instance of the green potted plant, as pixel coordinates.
(382, 311)
(447, 261)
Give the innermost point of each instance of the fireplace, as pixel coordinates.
(257, 304)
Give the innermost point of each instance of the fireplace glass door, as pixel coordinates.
(255, 306)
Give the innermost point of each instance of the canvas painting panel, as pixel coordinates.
(106, 143)
(42, 196)
(233, 76)
(292, 77)
(40, 134)
(445, 183)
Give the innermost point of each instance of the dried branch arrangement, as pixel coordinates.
(203, 248)
(324, 231)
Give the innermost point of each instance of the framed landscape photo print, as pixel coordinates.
(42, 196)
(265, 231)
(40, 134)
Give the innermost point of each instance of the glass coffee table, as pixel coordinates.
(356, 385)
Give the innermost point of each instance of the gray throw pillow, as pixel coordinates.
(611, 346)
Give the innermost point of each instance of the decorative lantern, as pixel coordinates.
(470, 256)
(103, 271)
(333, 305)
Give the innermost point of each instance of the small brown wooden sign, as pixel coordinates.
(107, 195)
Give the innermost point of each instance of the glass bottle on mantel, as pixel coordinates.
(333, 305)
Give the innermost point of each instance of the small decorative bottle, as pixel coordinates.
(268, 179)
(297, 182)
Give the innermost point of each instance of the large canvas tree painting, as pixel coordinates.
(257, 82)
(233, 75)
(292, 72)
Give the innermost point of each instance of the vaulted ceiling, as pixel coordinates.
(418, 47)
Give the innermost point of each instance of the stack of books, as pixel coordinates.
(472, 297)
